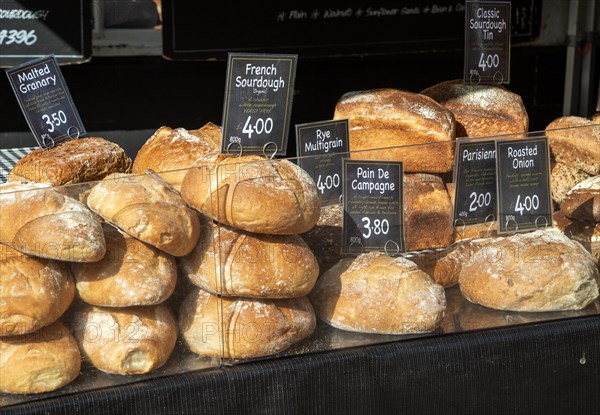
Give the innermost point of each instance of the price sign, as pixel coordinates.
(487, 42)
(475, 178)
(327, 141)
(373, 216)
(45, 101)
(258, 102)
(524, 201)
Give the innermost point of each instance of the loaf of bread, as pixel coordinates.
(375, 293)
(537, 271)
(586, 233)
(149, 209)
(427, 212)
(125, 341)
(564, 177)
(582, 202)
(383, 118)
(170, 152)
(481, 110)
(73, 161)
(39, 221)
(131, 273)
(38, 362)
(253, 193)
(596, 118)
(575, 141)
(34, 292)
(230, 262)
(325, 238)
(239, 328)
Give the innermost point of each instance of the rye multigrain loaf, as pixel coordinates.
(253, 193)
(73, 161)
(575, 141)
(481, 110)
(170, 152)
(387, 117)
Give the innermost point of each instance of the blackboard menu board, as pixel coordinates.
(35, 28)
(208, 30)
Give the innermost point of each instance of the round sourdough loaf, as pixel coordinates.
(239, 328)
(38, 220)
(74, 161)
(537, 271)
(149, 209)
(399, 123)
(131, 273)
(375, 293)
(170, 152)
(481, 110)
(125, 341)
(38, 362)
(230, 262)
(253, 193)
(34, 292)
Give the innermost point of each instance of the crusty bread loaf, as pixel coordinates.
(575, 141)
(562, 179)
(582, 202)
(537, 271)
(170, 152)
(237, 263)
(427, 212)
(73, 161)
(38, 362)
(125, 341)
(149, 209)
(253, 193)
(375, 293)
(586, 233)
(34, 292)
(386, 117)
(39, 221)
(596, 118)
(252, 328)
(131, 273)
(325, 238)
(481, 110)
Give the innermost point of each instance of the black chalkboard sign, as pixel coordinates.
(258, 102)
(45, 101)
(195, 29)
(487, 42)
(475, 179)
(327, 142)
(373, 214)
(36, 28)
(523, 169)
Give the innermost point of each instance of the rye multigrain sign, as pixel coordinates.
(34, 28)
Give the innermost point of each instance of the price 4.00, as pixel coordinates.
(258, 126)
(378, 227)
(328, 183)
(488, 61)
(54, 120)
(529, 203)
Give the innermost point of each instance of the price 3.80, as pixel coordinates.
(378, 227)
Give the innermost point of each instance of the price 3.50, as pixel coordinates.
(56, 119)
(378, 227)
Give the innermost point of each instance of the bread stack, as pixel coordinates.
(251, 270)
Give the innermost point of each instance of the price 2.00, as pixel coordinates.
(330, 182)
(479, 200)
(18, 37)
(488, 61)
(259, 126)
(378, 227)
(55, 119)
(529, 203)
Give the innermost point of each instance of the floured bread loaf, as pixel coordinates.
(230, 262)
(125, 341)
(39, 221)
(149, 209)
(582, 202)
(73, 161)
(34, 292)
(170, 152)
(252, 328)
(481, 110)
(375, 293)
(383, 118)
(131, 273)
(253, 193)
(575, 141)
(39, 362)
(537, 271)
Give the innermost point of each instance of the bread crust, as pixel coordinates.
(582, 202)
(575, 141)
